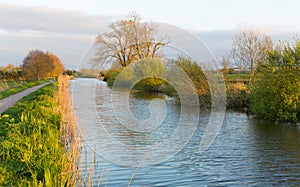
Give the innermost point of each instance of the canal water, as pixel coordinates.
(246, 152)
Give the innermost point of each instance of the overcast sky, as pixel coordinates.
(67, 28)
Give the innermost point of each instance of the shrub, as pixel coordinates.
(195, 73)
(276, 94)
(111, 75)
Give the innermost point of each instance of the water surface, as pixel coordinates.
(246, 152)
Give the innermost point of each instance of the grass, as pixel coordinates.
(38, 140)
(39, 143)
(238, 77)
(12, 87)
(8, 84)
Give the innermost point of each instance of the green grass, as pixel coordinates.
(238, 77)
(31, 151)
(7, 84)
(12, 87)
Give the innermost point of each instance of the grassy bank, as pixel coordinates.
(237, 88)
(38, 144)
(8, 88)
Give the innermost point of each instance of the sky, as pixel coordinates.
(68, 28)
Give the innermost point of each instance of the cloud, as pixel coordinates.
(51, 20)
(3, 32)
(68, 34)
(65, 33)
(69, 48)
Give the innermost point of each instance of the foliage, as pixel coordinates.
(88, 73)
(19, 86)
(153, 72)
(58, 66)
(111, 75)
(227, 71)
(70, 72)
(238, 77)
(40, 65)
(31, 153)
(145, 70)
(195, 73)
(237, 95)
(10, 72)
(149, 71)
(4, 85)
(276, 95)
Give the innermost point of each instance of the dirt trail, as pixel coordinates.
(13, 99)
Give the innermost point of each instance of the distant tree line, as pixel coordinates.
(10, 72)
(83, 73)
(36, 65)
(69, 72)
(88, 73)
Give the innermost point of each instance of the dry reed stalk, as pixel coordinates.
(79, 173)
(68, 133)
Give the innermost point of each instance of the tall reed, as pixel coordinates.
(68, 132)
(82, 159)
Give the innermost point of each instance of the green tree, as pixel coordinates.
(276, 94)
(144, 75)
(150, 70)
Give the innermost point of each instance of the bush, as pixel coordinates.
(111, 75)
(147, 70)
(276, 94)
(155, 74)
(195, 73)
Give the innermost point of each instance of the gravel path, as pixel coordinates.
(13, 99)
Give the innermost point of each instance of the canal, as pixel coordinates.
(246, 152)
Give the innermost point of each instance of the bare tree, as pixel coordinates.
(226, 65)
(129, 40)
(249, 48)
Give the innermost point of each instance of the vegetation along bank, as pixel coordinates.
(38, 140)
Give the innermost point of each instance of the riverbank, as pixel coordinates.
(38, 139)
(237, 94)
(236, 85)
